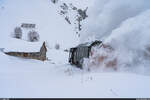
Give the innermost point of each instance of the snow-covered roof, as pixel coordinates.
(88, 43)
(18, 45)
(85, 44)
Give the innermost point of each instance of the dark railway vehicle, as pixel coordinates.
(77, 54)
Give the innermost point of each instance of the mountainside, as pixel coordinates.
(50, 25)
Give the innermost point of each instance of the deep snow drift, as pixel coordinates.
(56, 77)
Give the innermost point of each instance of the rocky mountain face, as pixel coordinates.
(72, 14)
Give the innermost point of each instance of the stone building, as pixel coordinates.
(41, 55)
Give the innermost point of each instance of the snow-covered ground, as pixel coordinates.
(56, 77)
(31, 78)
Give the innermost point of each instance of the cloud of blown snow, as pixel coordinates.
(132, 41)
(107, 15)
(125, 25)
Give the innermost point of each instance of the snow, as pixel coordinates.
(26, 78)
(45, 20)
(124, 26)
(107, 15)
(31, 78)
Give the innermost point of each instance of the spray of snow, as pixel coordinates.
(107, 15)
(125, 26)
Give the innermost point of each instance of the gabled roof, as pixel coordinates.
(17, 45)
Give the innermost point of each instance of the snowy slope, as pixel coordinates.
(27, 78)
(54, 78)
(43, 14)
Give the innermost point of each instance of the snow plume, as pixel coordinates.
(107, 15)
(132, 41)
(125, 26)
